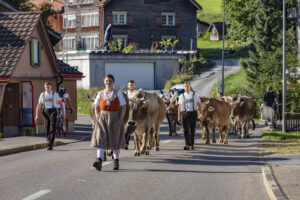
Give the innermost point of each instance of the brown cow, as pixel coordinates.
(147, 111)
(172, 111)
(243, 110)
(217, 113)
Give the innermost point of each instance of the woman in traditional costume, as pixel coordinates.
(110, 108)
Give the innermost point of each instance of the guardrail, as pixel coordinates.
(292, 122)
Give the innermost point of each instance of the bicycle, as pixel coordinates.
(59, 124)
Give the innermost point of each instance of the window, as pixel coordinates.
(69, 21)
(89, 19)
(35, 52)
(119, 17)
(168, 19)
(80, 1)
(90, 42)
(69, 43)
(124, 39)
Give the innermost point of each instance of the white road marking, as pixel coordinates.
(81, 180)
(37, 195)
(167, 141)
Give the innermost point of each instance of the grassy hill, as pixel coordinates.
(211, 10)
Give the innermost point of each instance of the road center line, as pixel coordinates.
(167, 141)
(37, 195)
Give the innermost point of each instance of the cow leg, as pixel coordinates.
(170, 123)
(203, 135)
(156, 136)
(243, 130)
(104, 156)
(226, 130)
(214, 140)
(137, 144)
(247, 129)
(221, 134)
(207, 135)
(145, 141)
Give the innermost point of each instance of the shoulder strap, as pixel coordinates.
(44, 98)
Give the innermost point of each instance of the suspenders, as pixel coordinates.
(49, 100)
(185, 101)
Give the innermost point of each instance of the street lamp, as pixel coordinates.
(223, 85)
(283, 71)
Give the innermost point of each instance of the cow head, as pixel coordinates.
(137, 107)
(206, 108)
(173, 106)
(236, 107)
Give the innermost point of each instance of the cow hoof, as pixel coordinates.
(221, 141)
(104, 158)
(126, 148)
(214, 141)
(157, 149)
(225, 142)
(242, 137)
(147, 153)
(207, 142)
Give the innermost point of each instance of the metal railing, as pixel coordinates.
(292, 122)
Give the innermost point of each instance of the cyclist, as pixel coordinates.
(65, 97)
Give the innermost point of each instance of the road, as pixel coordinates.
(204, 83)
(215, 171)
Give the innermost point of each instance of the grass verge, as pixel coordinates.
(83, 103)
(280, 142)
(211, 10)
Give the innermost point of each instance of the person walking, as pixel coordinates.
(65, 97)
(269, 97)
(109, 129)
(278, 101)
(189, 103)
(49, 99)
(131, 88)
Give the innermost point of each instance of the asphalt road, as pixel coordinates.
(215, 171)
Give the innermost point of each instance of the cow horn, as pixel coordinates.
(207, 102)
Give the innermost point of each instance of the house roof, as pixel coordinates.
(203, 22)
(218, 26)
(67, 69)
(16, 29)
(195, 3)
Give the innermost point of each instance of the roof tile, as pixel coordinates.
(15, 30)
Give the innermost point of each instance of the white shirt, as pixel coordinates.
(108, 96)
(188, 105)
(129, 93)
(48, 99)
(63, 100)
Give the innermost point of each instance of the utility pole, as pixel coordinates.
(223, 35)
(283, 71)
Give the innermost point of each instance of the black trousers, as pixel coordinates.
(49, 117)
(189, 125)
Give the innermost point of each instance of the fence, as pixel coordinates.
(292, 122)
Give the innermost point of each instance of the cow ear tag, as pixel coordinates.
(210, 109)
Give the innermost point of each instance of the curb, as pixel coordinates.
(38, 146)
(271, 186)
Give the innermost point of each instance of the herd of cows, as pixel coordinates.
(145, 111)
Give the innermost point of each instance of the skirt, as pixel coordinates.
(109, 131)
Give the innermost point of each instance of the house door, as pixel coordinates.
(10, 105)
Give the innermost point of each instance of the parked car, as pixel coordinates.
(179, 88)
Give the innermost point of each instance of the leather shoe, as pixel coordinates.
(187, 147)
(98, 164)
(192, 147)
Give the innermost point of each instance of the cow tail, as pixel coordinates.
(253, 123)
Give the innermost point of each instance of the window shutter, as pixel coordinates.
(109, 18)
(129, 20)
(39, 53)
(177, 20)
(158, 20)
(32, 52)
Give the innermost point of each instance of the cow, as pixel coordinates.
(146, 112)
(243, 111)
(172, 112)
(214, 113)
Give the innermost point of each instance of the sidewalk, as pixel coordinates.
(282, 178)
(83, 131)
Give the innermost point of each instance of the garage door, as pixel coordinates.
(141, 73)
